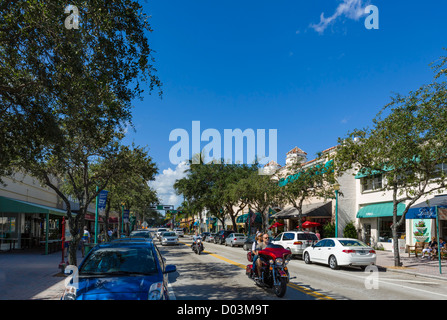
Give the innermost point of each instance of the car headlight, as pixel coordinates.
(156, 291)
(279, 261)
(69, 293)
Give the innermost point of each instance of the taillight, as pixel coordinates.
(235, 239)
(372, 251)
(348, 251)
(298, 243)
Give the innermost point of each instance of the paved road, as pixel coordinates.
(219, 273)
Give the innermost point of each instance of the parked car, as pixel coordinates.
(141, 233)
(249, 242)
(121, 270)
(337, 252)
(210, 237)
(235, 239)
(221, 235)
(296, 241)
(168, 238)
(204, 235)
(159, 232)
(179, 232)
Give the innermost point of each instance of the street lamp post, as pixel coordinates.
(122, 219)
(336, 187)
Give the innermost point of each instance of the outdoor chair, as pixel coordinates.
(417, 248)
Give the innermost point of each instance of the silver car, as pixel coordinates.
(235, 239)
(168, 238)
(179, 232)
(160, 232)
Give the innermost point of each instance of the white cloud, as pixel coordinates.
(164, 183)
(351, 9)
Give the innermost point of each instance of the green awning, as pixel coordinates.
(243, 218)
(321, 170)
(17, 206)
(380, 210)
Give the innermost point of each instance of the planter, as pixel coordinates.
(421, 229)
(421, 238)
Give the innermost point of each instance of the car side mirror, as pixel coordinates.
(170, 268)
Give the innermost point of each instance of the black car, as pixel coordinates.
(221, 235)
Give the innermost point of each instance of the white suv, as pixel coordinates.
(296, 241)
(179, 232)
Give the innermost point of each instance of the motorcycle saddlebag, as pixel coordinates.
(249, 256)
(248, 269)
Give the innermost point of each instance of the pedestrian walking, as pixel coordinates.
(85, 239)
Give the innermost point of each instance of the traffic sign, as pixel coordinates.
(162, 207)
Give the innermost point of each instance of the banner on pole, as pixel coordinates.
(102, 200)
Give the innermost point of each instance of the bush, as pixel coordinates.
(329, 230)
(350, 231)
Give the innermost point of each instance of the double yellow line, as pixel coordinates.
(302, 289)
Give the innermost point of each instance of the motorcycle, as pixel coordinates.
(197, 246)
(274, 272)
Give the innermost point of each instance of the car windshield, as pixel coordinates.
(352, 243)
(120, 261)
(169, 234)
(143, 234)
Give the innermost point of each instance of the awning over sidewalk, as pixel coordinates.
(320, 209)
(18, 206)
(429, 208)
(377, 210)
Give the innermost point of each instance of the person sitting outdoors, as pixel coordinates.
(429, 248)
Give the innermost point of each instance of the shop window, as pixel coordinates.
(372, 183)
(440, 171)
(385, 232)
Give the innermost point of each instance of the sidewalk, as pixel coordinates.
(31, 275)
(423, 267)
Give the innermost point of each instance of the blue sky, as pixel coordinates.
(262, 65)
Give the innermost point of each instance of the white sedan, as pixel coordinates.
(338, 252)
(169, 238)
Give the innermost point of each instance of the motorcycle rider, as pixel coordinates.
(194, 238)
(255, 248)
(261, 246)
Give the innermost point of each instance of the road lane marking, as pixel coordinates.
(302, 289)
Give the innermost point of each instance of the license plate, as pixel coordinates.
(362, 252)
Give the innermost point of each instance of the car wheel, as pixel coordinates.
(333, 263)
(307, 258)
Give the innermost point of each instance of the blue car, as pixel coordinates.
(121, 270)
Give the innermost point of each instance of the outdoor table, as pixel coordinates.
(53, 245)
(12, 242)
